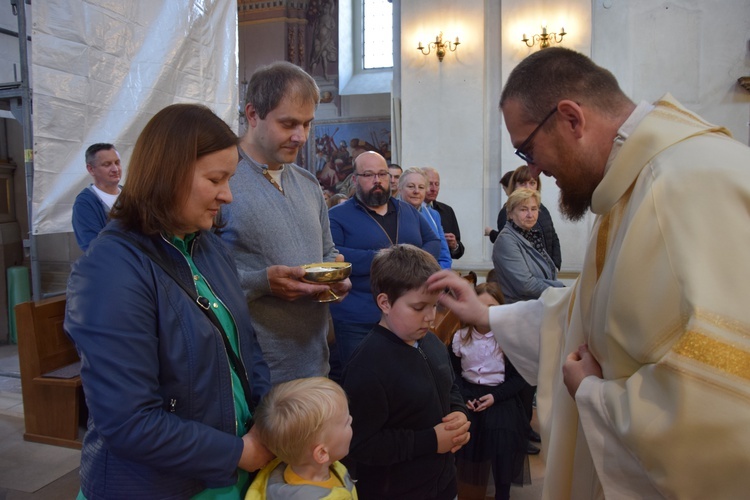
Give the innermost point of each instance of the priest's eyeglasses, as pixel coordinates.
(521, 150)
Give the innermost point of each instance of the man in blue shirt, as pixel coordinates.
(362, 226)
(92, 205)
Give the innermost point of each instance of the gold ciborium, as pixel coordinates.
(326, 273)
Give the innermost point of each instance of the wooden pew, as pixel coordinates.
(53, 403)
(446, 323)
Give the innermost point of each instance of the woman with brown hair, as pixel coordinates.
(170, 365)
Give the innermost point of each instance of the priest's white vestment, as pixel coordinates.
(663, 301)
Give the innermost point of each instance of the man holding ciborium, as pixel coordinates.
(278, 222)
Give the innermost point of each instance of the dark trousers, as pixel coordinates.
(348, 336)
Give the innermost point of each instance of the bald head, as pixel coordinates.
(370, 160)
(372, 179)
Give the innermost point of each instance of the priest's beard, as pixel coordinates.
(574, 205)
(576, 182)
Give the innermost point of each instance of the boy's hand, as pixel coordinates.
(453, 432)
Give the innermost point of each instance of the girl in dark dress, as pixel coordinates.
(490, 386)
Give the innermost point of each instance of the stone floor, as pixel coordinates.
(29, 470)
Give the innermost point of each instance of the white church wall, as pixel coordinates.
(444, 108)
(695, 49)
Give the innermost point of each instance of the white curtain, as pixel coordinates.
(102, 68)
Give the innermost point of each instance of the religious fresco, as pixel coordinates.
(334, 144)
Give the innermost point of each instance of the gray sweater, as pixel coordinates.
(263, 228)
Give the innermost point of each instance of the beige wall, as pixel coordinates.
(444, 109)
(525, 17)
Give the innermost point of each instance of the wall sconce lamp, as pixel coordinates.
(545, 38)
(440, 46)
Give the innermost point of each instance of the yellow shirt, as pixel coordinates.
(291, 477)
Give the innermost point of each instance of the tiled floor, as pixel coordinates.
(28, 459)
(532, 491)
(11, 402)
(67, 485)
(10, 382)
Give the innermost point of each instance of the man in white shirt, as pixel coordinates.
(642, 365)
(92, 205)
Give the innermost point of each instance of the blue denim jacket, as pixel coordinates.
(155, 373)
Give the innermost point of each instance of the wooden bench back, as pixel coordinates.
(43, 345)
(446, 323)
(53, 406)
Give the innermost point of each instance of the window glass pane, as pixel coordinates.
(377, 39)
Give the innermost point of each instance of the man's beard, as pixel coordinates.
(574, 205)
(576, 186)
(374, 198)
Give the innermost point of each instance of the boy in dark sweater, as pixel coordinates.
(408, 414)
